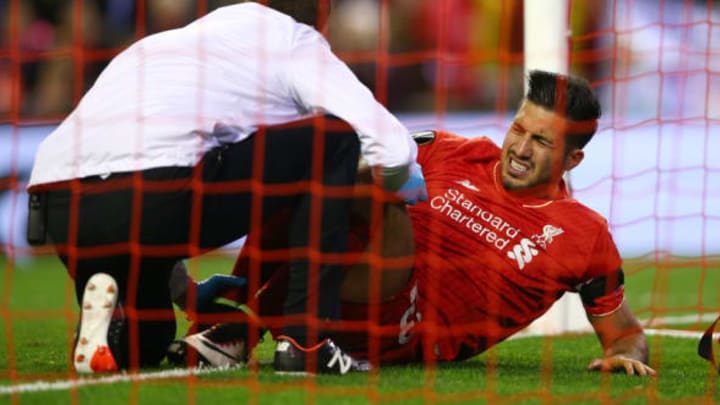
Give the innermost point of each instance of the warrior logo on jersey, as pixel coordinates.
(524, 252)
(549, 232)
(467, 184)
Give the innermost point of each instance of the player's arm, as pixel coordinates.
(319, 81)
(620, 334)
(623, 341)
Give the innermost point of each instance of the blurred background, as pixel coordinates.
(468, 50)
(64, 44)
(452, 64)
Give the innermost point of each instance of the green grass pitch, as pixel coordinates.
(37, 318)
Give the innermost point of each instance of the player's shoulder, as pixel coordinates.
(581, 214)
(444, 140)
(427, 137)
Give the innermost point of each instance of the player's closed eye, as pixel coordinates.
(543, 141)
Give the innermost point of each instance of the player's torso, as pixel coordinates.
(484, 258)
(465, 216)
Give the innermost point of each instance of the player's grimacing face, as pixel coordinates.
(533, 151)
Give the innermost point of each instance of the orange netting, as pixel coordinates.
(442, 64)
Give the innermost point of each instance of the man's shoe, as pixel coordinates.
(101, 323)
(291, 358)
(223, 345)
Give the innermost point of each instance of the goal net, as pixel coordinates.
(652, 170)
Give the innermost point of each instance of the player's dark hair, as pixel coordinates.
(310, 12)
(571, 97)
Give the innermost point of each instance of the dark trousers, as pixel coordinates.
(135, 226)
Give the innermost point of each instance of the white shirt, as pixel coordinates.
(241, 66)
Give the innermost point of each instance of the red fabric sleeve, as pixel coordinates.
(605, 290)
(434, 149)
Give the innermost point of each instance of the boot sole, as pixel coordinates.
(92, 353)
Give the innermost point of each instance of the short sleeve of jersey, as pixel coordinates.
(604, 292)
(435, 146)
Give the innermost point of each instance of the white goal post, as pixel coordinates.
(546, 47)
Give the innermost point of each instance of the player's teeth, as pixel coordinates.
(517, 166)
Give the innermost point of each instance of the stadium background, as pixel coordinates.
(653, 169)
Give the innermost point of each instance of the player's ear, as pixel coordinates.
(573, 158)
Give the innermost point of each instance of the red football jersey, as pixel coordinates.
(488, 264)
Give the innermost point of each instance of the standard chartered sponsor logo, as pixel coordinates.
(523, 252)
(489, 227)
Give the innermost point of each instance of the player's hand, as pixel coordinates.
(621, 363)
(212, 287)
